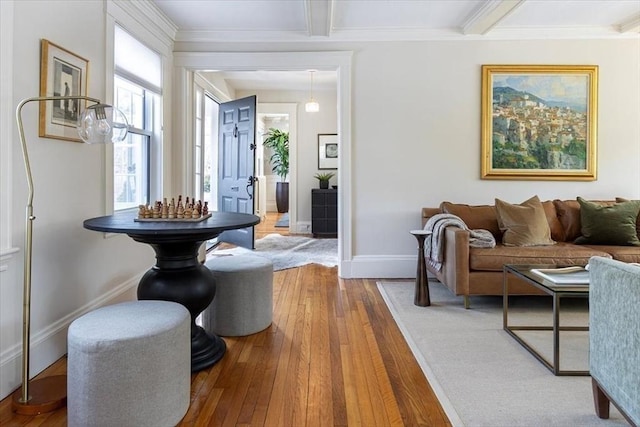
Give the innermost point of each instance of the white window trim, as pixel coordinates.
(157, 33)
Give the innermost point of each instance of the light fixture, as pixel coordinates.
(99, 123)
(312, 106)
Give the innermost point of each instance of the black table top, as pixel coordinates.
(123, 222)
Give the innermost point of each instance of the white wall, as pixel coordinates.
(74, 270)
(415, 140)
(416, 134)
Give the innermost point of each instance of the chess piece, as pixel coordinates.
(147, 212)
(172, 212)
(141, 210)
(156, 210)
(205, 209)
(180, 211)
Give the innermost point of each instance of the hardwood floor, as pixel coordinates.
(333, 356)
(268, 225)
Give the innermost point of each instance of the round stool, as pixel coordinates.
(129, 364)
(243, 304)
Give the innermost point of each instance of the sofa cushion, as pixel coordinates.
(524, 224)
(561, 254)
(557, 230)
(475, 217)
(620, 200)
(608, 225)
(569, 216)
(621, 253)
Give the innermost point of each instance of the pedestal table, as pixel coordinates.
(178, 275)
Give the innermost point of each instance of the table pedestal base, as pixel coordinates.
(206, 349)
(178, 276)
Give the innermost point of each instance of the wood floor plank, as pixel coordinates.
(333, 356)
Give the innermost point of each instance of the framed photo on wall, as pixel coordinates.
(327, 151)
(62, 73)
(539, 122)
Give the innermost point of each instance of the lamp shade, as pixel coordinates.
(312, 106)
(102, 124)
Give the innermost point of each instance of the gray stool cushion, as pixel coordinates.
(129, 364)
(243, 303)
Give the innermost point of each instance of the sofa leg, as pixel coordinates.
(467, 302)
(600, 400)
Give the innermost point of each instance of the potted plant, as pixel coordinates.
(278, 141)
(324, 178)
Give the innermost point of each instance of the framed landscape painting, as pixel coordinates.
(539, 122)
(62, 73)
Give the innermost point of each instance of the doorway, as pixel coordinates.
(188, 63)
(282, 116)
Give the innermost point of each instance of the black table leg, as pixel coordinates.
(421, 298)
(179, 276)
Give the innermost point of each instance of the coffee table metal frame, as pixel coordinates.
(557, 292)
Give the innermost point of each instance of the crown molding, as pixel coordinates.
(415, 34)
(148, 16)
(630, 25)
(488, 15)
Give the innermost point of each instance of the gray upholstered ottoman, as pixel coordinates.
(243, 304)
(129, 364)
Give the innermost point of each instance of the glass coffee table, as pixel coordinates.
(557, 292)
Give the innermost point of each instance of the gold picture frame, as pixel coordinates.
(61, 73)
(539, 122)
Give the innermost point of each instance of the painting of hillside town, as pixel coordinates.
(540, 122)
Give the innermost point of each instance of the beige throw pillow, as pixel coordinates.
(524, 224)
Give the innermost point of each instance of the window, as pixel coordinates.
(206, 148)
(137, 93)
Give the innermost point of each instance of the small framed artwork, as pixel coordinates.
(327, 151)
(62, 73)
(539, 122)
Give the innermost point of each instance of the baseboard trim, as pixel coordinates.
(50, 343)
(379, 267)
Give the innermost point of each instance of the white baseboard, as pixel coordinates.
(379, 267)
(50, 344)
(303, 227)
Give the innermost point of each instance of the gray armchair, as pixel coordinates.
(614, 337)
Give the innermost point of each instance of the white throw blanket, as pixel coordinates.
(434, 244)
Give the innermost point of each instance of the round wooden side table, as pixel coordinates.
(422, 283)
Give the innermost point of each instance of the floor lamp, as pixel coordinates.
(98, 124)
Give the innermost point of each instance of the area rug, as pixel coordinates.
(283, 221)
(480, 374)
(291, 251)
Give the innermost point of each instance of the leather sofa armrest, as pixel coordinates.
(456, 260)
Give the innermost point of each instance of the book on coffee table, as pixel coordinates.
(564, 275)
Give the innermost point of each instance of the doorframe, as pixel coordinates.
(187, 63)
(292, 110)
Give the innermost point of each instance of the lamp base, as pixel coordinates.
(47, 394)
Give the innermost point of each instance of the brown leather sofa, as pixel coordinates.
(469, 271)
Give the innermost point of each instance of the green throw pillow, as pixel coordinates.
(609, 225)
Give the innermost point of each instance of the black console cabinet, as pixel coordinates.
(324, 213)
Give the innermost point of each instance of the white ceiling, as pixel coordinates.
(321, 21)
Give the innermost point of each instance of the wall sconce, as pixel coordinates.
(312, 106)
(98, 124)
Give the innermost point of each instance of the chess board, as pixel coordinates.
(202, 218)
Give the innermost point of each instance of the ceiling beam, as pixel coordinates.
(319, 17)
(488, 15)
(631, 25)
